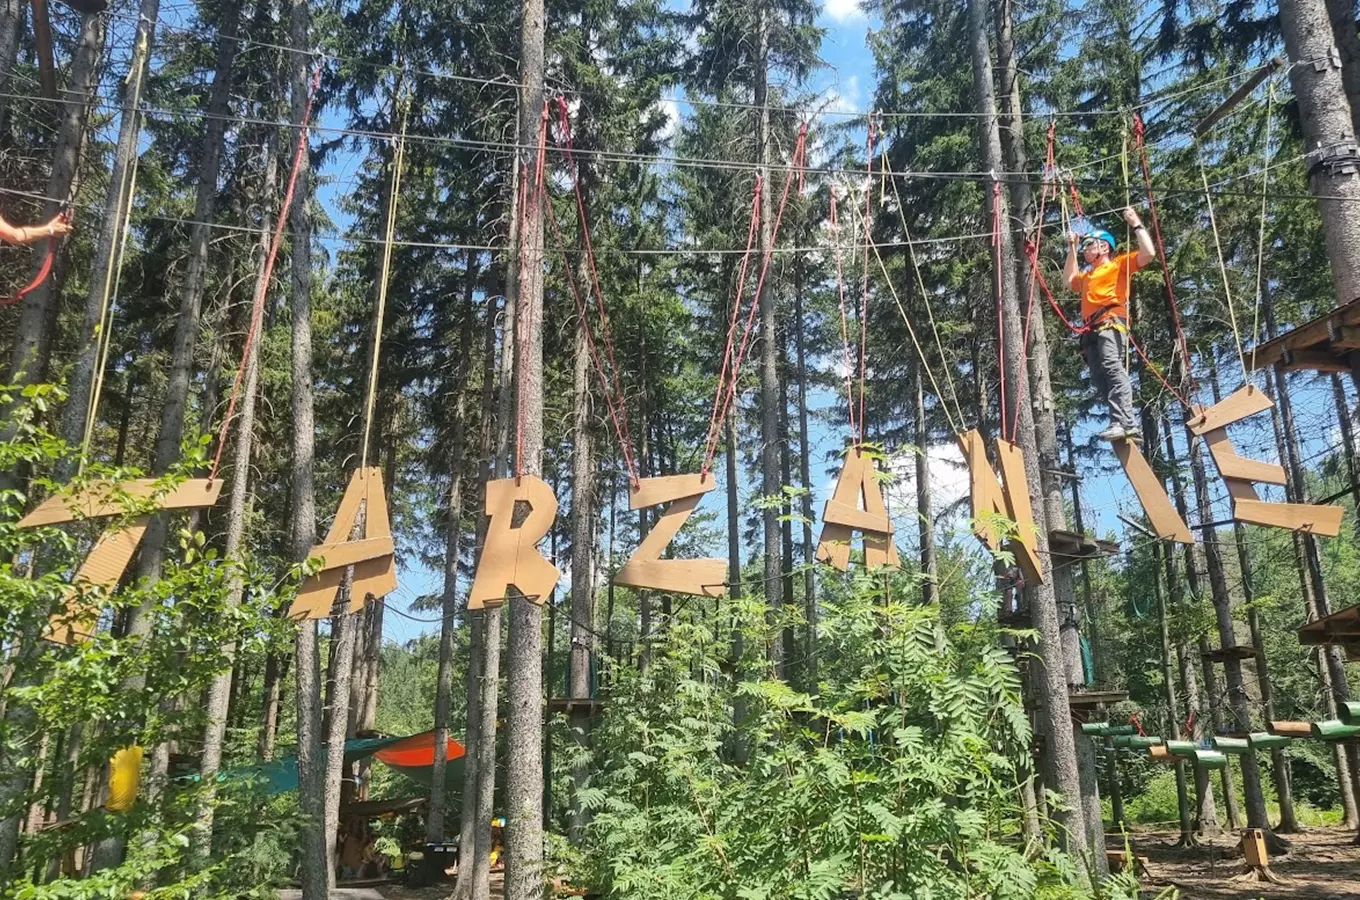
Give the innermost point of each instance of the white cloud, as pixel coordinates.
(843, 10)
(671, 109)
(844, 98)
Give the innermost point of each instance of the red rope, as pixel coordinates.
(44, 270)
(845, 324)
(864, 294)
(714, 423)
(1161, 248)
(1134, 721)
(1032, 248)
(618, 410)
(730, 394)
(262, 289)
(528, 214)
(1000, 318)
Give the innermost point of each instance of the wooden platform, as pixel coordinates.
(1223, 654)
(570, 705)
(1095, 699)
(1342, 627)
(1323, 345)
(1074, 545)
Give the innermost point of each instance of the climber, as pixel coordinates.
(1103, 283)
(30, 234)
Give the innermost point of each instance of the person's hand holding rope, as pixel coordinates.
(58, 225)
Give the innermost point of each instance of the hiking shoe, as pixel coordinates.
(1113, 433)
(1133, 434)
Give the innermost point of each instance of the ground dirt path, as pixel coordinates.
(1322, 864)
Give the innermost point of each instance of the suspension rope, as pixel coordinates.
(389, 232)
(845, 327)
(531, 206)
(1000, 318)
(1223, 271)
(1140, 145)
(108, 305)
(864, 290)
(729, 392)
(1032, 250)
(610, 384)
(714, 423)
(262, 289)
(1261, 232)
(925, 298)
(954, 425)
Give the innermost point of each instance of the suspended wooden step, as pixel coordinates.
(1322, 344)
(1350, 712)
(1335, 730)
(1181, 748)
(1073, 545)
(1264, 740)
(1161, 753)
(1223, 654)
(591, 706)
(1167, 524)
(1105, 729)
(1135, 741)
(1210, 759)
(1231, 745)
(1291, 729)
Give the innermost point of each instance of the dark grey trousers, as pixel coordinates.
(1105, 352)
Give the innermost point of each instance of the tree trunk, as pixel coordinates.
(178, 379)
(925, 515)
(1053, 700)
(11, 25)
(582, 573)
(1345, 423)
(805, 479)
(524, 651)
(1342, 15)
(453, 551)
(33, 332)
(107, 254)
(1187, 838)
(770, 438)
(469, 828)
(1328, 133)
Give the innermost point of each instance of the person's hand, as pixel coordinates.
(1131, 216)
(1072, 238)
(57, 226)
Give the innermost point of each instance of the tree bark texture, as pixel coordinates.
(524, 651)
(805, 480)
(582, 573)
(1053, 700)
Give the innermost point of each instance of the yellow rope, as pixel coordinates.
(397, 158)
(925, 363)
(925, 296)
(1261, 233)
(1128, 234)
(1223, 270)
(107, 306)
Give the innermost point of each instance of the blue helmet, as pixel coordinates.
(1102, 235)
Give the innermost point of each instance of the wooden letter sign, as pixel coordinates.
(373, 556)
(989, 498)
(645, 568)
(510, 557)
(1239, 472)
(113, 551)
(1152, 494)
(843, 515)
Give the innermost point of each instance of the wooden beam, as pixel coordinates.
(1307, 335)
(1237, 96)
(1314, 361)
(1343, 337)
(104, 498)
(1166, 522)
(1247, 400)
(1230, 465)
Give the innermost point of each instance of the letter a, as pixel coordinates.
(843, 515)
(510, 557)
(645, 568)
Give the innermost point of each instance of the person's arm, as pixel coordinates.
(1070, 271)
(1146, 251)
(28, 234)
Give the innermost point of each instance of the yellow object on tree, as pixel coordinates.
(125, 775)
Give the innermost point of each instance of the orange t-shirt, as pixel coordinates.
(1105, 289)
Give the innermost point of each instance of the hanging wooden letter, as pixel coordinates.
(989, 499)
(510, 557)
(843, 516)
(645, 568)
(113, 551)
(1166, 522)
(1239, 472)
(372, 556)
